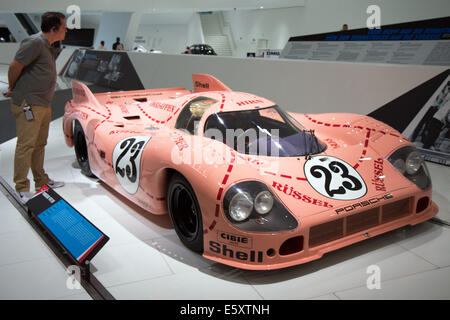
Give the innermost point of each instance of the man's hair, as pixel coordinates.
(102, 42)
(51, 21)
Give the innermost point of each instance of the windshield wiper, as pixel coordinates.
(309, 147)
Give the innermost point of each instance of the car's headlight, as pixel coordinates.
(413, 162)
(400, 165)
(250, 206)
(409, 162)
(241, 206)
(263, 202)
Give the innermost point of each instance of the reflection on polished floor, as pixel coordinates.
(145, 260)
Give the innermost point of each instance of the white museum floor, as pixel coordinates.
(145, 260)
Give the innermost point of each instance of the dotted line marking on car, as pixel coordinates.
(152, 196)
(93, 110)
(107, 118)
(366, 145)
(222, 102)
(156, 120)
(366, 142)
(220, 194)
(335, 125)
(284, 176)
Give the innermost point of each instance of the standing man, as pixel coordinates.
(32, 80)
(117, 45)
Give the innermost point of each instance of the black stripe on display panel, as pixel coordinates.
(401, 111)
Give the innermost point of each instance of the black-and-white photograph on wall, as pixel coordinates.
(430, 129)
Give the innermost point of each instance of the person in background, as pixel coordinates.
(32, 81)
(187, 51)
(101, 46)
(344, 27)
(117, 45)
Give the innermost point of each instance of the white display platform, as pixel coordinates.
(145, 260)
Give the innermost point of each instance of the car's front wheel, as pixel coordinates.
(185, 213)
(81, 151)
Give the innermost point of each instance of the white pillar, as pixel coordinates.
(14, 26)
(133, 27)
(117, 24)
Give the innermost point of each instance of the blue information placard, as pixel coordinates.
(74, 232)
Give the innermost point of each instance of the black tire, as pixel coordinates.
(185, 213)
(81, 151)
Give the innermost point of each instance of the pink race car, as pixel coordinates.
(246, 183)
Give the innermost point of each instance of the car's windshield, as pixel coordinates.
(262, 131)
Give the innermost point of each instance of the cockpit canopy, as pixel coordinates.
(260, 131)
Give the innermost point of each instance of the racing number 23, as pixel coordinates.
(334, 166)
(134, 149)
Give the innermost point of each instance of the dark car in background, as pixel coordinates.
(202, 49)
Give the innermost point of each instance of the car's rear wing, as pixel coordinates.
(206, 82)
(82, 95)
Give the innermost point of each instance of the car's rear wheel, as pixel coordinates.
(81, 151)
(185, 213)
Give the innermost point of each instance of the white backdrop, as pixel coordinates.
(301, 86)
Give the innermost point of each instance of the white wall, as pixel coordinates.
(14, 26)
(173, 34)
(7, 52)
(275, 25)
(142, 6)
(328, 15)
(319, 16)
(296, 85)
(195, 31)
(167, 38)
(112, 25)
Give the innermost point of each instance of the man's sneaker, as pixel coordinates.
(53, 184)
(25, 196)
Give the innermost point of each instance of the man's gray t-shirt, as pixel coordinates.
(37, 81)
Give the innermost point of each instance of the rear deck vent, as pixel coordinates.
(132, 117)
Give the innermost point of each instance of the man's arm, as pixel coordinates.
(29, 50)
(14, 71)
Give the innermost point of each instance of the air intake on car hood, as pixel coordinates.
(134, 117)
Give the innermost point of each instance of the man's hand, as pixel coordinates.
(7, 94)
(14, 71)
